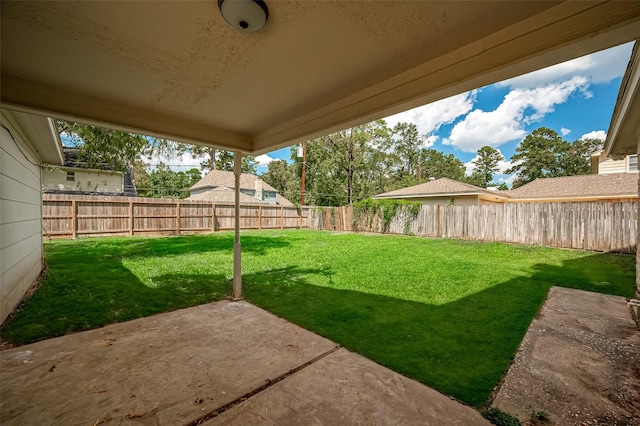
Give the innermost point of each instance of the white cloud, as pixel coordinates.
(564, 131)
(508, 179)
(183, 163)
(263, 160)
(429, 118)
(599, 67)
(430, 141)
(595, 134)
(506, 123)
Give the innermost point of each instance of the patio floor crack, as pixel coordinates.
(214, 413)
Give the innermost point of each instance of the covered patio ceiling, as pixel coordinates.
(177, 70)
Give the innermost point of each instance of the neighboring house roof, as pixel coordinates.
(438, 187)
(281, 201)
(583, 186)
(224, 195)
(221, 178)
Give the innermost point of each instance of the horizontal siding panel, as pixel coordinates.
(12, 255)
(14, 211)
(12, 154)
(11, 276)
(16, 282)
(12, 168)
(18, 231)
(21, 190)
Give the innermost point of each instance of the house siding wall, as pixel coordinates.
(269, 197)
(20, 222)
(84, 181)
(612, 166)
(603, 165)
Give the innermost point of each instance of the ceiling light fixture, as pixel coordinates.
(244, 15)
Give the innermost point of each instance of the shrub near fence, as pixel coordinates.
(75, 215)
(599, 226)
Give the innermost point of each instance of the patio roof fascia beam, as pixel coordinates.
(237, 248)
(33, 98)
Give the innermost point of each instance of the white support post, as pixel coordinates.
(237, 249)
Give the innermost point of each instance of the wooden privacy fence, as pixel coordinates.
(76, 215)
(599, 226)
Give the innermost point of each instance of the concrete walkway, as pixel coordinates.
(221, 363)
(579, 362)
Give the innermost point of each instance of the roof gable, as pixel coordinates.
(222, 178)
(224, 195)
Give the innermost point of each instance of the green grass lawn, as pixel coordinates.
(450, 314)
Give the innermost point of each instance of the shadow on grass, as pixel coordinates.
(87, 286)
(461, 348)
(109, 248)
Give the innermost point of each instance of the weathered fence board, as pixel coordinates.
(598, 226)
(66, 215)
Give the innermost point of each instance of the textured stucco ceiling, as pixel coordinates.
(176, 69)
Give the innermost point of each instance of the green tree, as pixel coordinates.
(223, 159)
(282, 176)
(340, 168)
(140, 177)
(103, 148)
(485, 165)
(539, 155)
(576, 160)
(436, 164)
(407, 146)
(165, 183)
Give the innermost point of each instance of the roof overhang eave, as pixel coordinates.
(573, 198)
(442, 194)
(623, 136)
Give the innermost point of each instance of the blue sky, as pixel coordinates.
(575, 98)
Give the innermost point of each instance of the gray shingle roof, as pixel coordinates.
(281, 201)
(578, 186)
(222, 195)
(436, 187)
(220, 178)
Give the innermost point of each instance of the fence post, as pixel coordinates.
(130, 217)
(74, 219)
(439, 235)
(178, 218)
(213, 217)
(259, 217)
(281, 217)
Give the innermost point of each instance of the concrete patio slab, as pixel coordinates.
(579, 362)
(345, 388)
(225, 362)
(164, 369)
